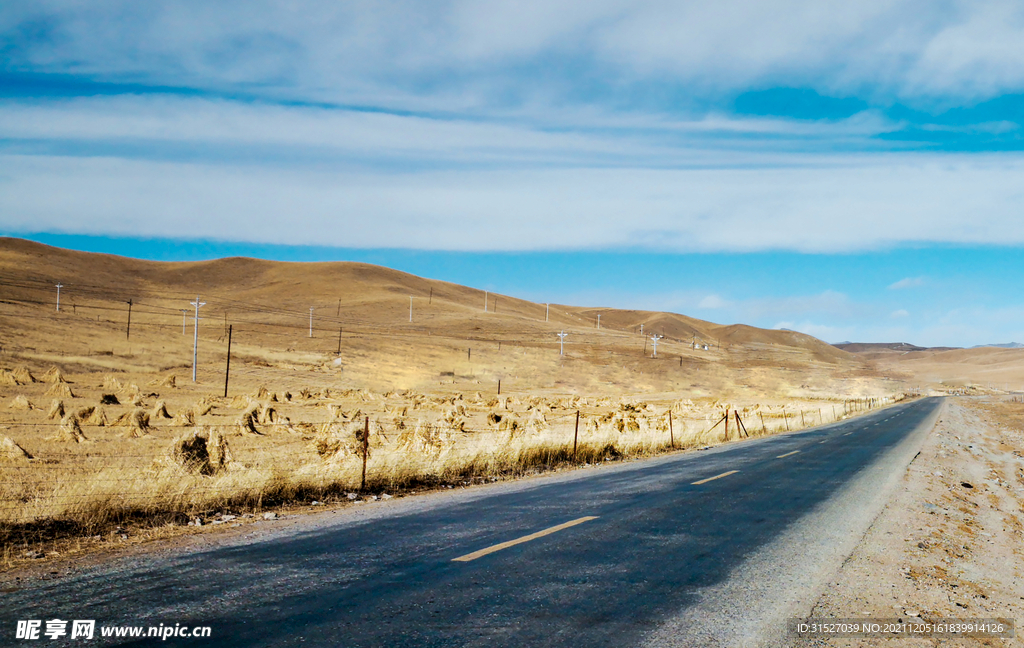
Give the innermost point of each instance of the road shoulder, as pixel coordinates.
(948, 543)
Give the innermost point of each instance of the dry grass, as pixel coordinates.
(152, 471)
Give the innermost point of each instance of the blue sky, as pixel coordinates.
(851, 170)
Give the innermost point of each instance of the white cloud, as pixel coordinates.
(457, 52)
(712, 302)
(898, 314)
(843, 204)
(907, 282)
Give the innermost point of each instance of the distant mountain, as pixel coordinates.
(1005, 345)
(861, 347)
(882, 347)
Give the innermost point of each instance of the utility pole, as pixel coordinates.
(654, 339)
(227, 368)
(599, 320)
(184, 311)
(59, 286)
(641, 329)
(340, 329)
(310, 321)
(339, 308)
(561, 342)
(547, 310)
(128, 331)
(195, 341)
(485, 301)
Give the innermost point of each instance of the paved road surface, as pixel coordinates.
(704, 548)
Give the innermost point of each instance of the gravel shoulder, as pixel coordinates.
(948, 544)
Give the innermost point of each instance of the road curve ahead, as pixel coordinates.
(694, 549)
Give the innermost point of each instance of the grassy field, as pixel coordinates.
(101, 426)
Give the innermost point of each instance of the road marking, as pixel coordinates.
(704, 481)
(526, 538)
(788, 454)
(825, 441)
(848, 434)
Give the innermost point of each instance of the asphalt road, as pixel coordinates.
(649, 544)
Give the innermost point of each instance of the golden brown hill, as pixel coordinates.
(362, 337)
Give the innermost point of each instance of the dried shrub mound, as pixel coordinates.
(201, 452)
(54, 375)
(21, 403)
(8, 378)
(109, 399)
(83, 413)
(23, 375)
(135, 422)
(11, 451)
(70, 431)
(264, 394)
(56, 410)
(160, 411)
(60, 390)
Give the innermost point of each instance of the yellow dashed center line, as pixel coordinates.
(788, 454)
(526, 538)
(725, 474)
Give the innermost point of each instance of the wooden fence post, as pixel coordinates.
(671, 433)
(366, 452)
(576, 435)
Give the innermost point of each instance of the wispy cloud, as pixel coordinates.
(907, 282)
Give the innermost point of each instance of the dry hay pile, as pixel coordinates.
(188, 417)
(133, 394)
(264, 394)
(306, 430)
(135, 422)
(96, 416)
(8, 378)
(70, 431)
(54, 375)
(11, 451)
(169, 381)
(426, 438)
(454, 419)
(109, 399)
(56, 409)
(21, 403)
(160, 411)
(240, 402)
(247, 421)
(269, 416)
(201, 451)
(624, 419)
(339, 440)
(110, 382)
(536, 422)
(505, 423)
(23, 375)
(60, 390)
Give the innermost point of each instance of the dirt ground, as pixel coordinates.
(948, 545)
